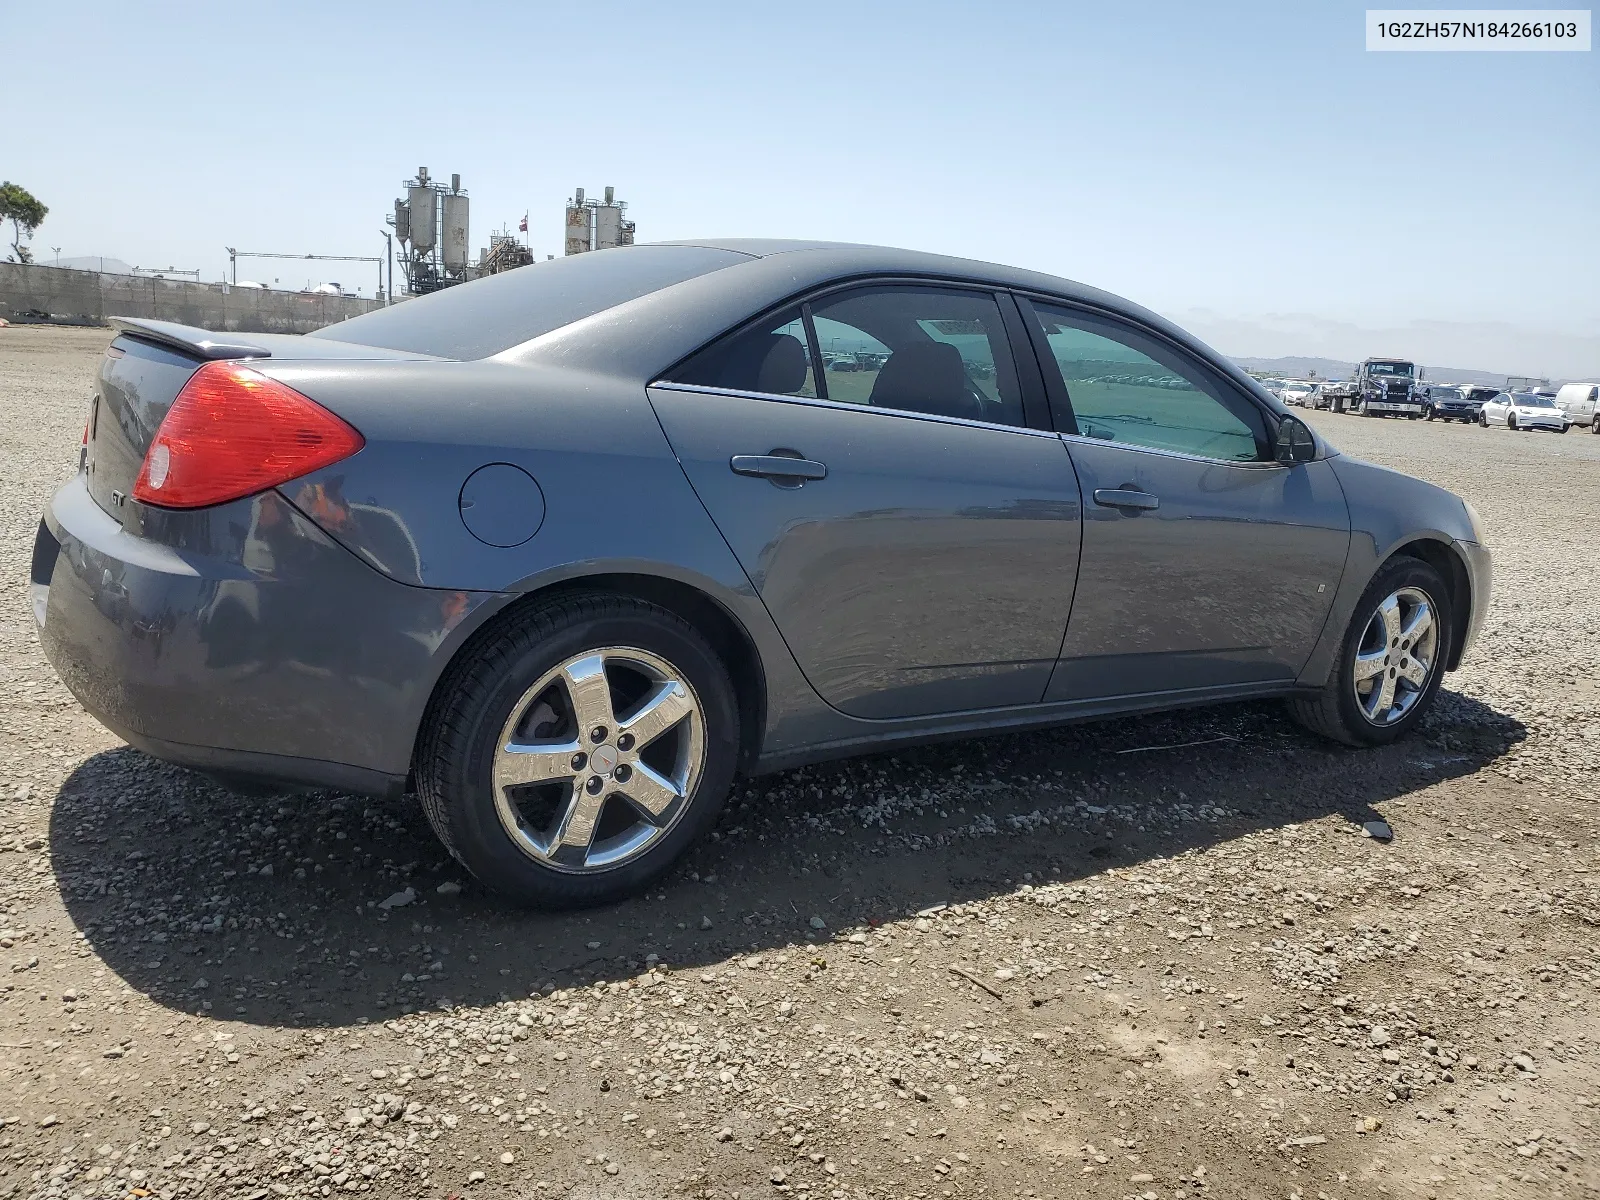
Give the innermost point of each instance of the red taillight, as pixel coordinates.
(233, 432)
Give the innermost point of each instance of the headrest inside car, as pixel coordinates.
(783, 370)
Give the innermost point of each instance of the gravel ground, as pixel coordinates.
(1155, 958)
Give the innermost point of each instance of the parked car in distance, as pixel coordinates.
(1580, 401)
(568, 548)
(1524, 410)
(1295, 392)
(1451, 404)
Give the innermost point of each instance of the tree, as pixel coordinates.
(26, 214)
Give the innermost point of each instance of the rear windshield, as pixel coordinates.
(492, 314)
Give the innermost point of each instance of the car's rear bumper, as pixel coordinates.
(242, 641)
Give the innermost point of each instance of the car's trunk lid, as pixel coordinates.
(138, 382)
(143, 371)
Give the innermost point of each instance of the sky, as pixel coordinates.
(1248, 170)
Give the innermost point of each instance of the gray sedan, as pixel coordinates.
(568, 548)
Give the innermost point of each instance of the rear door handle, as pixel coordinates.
(1125, 497)
(780, 468)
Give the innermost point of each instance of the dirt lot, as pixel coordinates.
(1153, 958)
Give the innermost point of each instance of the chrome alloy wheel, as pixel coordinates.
(598, 759)
(1396, 656)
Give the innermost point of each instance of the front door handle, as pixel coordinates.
(788, 470)
(1126, 497)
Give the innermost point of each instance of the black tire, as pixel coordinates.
(456, 751)
(1511, 422)
(1333, 712)
(1594, 424)
(1430, 414)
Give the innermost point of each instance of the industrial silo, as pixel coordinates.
(607, 226)
(454, 243)
(424, 221)
(578, 236)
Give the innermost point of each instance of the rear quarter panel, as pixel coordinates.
(616, 500)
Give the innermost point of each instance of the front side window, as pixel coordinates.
(773, 357)
(1124, 387)
(918, 349)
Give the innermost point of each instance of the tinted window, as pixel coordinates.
(498, 312)
(773, 357)
(1125, 387)
(929, 350)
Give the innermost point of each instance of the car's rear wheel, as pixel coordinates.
(579, 749)
(1391, 662)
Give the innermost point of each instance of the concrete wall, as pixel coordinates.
(38, 293)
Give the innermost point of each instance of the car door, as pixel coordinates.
(869, 460)
(1206, 564)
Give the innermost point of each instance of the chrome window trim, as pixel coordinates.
(1255, 464)
(818, 402)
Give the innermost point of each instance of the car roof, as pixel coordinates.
(843, 258)
(646, 335)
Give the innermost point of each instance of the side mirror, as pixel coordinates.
(1295, 442)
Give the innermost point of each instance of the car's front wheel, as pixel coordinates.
(1391, 662)
(578, 749)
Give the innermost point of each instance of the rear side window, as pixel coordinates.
(773, 357)
(501, 311)
(941, 351)
(919, 349)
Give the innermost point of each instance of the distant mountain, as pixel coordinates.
(1333, 368)
(1298, 368)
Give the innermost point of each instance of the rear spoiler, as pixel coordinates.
(201, 343)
